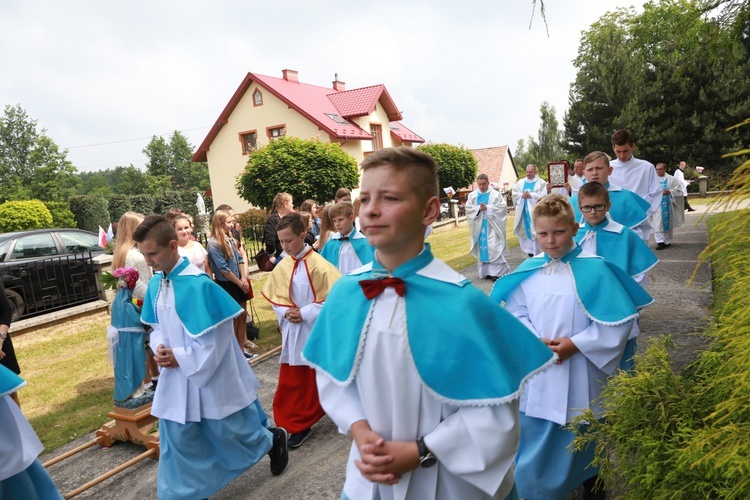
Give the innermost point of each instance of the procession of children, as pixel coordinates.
(354, 288)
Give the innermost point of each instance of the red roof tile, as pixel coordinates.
(491, 161)
(361, 102)
(404, 134)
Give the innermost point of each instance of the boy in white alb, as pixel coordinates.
(583, 308)
(427, 422)
(347, 249)
(212, 427)
(297, 289)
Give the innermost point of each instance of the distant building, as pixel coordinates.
(499, 166)
(264, 108)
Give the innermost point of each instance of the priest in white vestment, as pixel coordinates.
(486, 213)
(526, 193)
(670, 213)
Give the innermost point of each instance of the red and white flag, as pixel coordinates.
(102, 237)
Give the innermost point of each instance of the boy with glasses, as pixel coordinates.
(604, 237)
(627, 208)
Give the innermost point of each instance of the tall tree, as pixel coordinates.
(31, 164)
(174, 160)
(675, 74)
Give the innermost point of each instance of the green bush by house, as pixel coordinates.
(24, 215)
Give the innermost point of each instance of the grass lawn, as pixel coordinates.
(70, 382)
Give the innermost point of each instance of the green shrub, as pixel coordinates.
(24, 215)
(143, 204)
(118, 205)
(183, 199)
(90, 211)
(61, 214)
(302, 168)
(457, 166)
(253, 217)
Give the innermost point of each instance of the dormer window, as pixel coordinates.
(257, 98)
(376, 131)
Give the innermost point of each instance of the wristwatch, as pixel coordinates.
(426, 458)
(3, 336)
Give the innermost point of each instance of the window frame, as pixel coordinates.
(377, 136)
(269, 131)
(244, 144)
(257, 92)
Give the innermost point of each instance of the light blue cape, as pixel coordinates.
(605, 292)
(362, 248)
(200, 303)
(491, 353)
(628, 208)
(620, 246)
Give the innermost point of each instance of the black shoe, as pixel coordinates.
(493, 278)
(660, 246)
(530, 255)
(296, 439)
(249, 355)
(691, 209)
(279, 453)
(154, 382)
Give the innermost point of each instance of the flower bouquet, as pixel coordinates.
(122, 278)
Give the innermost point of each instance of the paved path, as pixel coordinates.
(316, 470)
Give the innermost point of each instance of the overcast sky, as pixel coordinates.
(104, 77)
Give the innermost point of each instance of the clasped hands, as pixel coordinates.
(563, 347)
(383, 461)
(293, 315)
(165, 358)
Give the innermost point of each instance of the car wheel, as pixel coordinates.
(16, 304)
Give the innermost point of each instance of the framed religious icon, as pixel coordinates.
(558, 173)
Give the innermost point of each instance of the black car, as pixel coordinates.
(48, 269)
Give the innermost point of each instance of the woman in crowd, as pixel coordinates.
(282, 205)
(191, 249)
(230, 269)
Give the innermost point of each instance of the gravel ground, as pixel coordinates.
(316, 470)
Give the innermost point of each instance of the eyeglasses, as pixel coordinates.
(597, 208)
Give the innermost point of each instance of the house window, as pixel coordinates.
(249, 141)
(276, 132)
(377, 136)
(257, 98)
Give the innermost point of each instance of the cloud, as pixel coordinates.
(462, 72)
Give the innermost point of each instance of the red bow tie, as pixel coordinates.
(373, 288)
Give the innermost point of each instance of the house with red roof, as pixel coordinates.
(499, 166)
(264, 108)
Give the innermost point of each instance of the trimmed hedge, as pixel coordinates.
(61, 214)
(91, 212)
(24, 215)
(118, 205)
(143, 204)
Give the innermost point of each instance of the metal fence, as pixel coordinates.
(43, 285)
(252, 240)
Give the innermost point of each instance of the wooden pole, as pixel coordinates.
(72, 452)
(111, 473)
(265, 356)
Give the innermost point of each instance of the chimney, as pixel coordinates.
(290, 75)
(337, 85)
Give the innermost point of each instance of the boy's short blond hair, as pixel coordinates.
(555, 206)
(420, 168)
(595, 155)
(344, 208)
